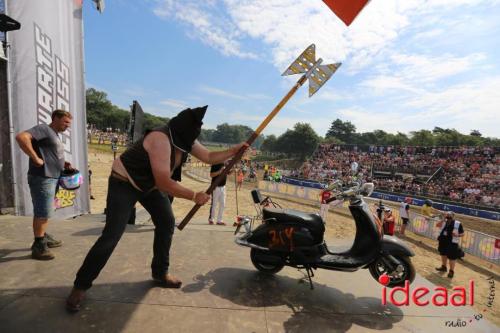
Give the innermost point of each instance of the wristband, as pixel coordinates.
(194, 196)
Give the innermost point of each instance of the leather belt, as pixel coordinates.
(116, 175)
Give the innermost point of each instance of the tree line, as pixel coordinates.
(302, 140)
(103, 114)
(345, 132)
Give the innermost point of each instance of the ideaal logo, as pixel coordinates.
(460, 296)
(422, 296)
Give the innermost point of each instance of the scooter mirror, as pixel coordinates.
(367, 189)
(335, 184)
(354, 167)
(349, 192)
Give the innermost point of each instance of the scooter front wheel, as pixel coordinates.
(405, 271)
(266, 266)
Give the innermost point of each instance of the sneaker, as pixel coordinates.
(441, 269)
(220, 223)
(51, 241)
(210, 222)
(167, 281)
(40, 251)
(451, 273)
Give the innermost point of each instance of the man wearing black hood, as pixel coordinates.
(147, 172)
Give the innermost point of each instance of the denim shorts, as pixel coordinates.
(43, 191)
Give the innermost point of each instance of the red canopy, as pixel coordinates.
(346, 10)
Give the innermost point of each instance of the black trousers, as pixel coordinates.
(122, 197)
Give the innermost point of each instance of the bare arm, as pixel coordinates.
(214, 157)
(24, 141)
(158, 148)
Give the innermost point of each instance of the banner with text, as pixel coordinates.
(46, 68)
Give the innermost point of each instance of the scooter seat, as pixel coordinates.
(311, 222)
(290, 216)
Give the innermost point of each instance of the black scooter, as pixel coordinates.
(293, 238)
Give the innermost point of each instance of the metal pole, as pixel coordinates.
(14, 165)
(434, 174)
(85, 156)
(236, 193)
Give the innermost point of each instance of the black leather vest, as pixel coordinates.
(136, 161)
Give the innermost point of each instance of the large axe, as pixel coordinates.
(317, 74)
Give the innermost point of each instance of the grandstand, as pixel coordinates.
(100, 137)
(467, 176)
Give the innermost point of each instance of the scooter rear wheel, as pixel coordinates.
(268, 268)
(378, 268)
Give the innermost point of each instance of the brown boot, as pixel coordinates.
(167, 281)
(40, 251)
(74, 300)
(51, 241)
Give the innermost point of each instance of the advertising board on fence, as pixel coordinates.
(441, 206)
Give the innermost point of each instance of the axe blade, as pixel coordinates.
(303, 63)
(320, 75)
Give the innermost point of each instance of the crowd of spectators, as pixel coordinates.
(331, 162)
(107, 136)
(464, 174)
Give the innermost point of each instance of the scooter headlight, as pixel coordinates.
(367, 189)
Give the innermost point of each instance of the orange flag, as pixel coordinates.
(346, 10)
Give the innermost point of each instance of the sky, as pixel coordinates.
(406, 64)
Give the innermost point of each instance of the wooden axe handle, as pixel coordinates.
(217, 181)
(240, 153)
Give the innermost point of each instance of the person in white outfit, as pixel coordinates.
(218, 195)
(404, 213)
